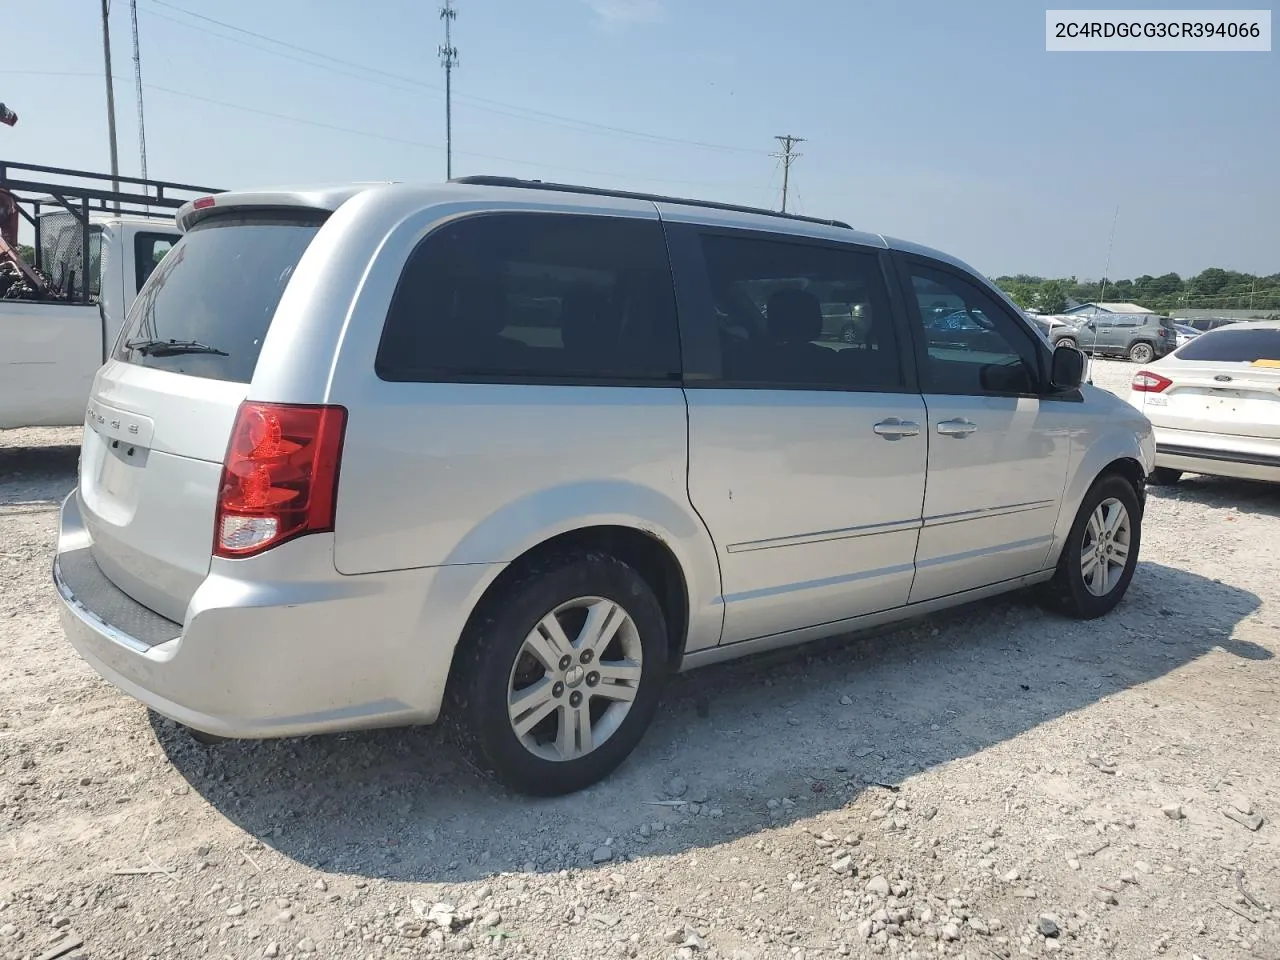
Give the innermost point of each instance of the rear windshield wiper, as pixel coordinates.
(155, 347)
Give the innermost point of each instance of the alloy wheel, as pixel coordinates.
(575, 678)
(1105, 549)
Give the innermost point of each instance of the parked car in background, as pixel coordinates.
(1184, 333)
(1205, 324)
(1142, 337)
(517, 452)
(1215, 404)
(1058, 331)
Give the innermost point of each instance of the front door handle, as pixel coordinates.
(958, 428)
(895, 429)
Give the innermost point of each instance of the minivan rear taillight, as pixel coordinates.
(1148, 382)
(279, 477)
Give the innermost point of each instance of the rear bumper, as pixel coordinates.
(1218, 455)
(305, 651)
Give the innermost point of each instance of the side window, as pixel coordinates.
(793, 314)
(148, 250)
(538, 297)
(972, 345)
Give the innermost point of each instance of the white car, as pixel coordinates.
(1185, 334)
(1215, 404)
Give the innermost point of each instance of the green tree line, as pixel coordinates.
(1211, 289)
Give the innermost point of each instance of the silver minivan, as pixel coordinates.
(511, 453)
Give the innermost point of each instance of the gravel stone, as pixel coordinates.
(676, 787)
(1047, 925)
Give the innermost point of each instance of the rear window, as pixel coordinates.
(531, 297)
(1234, 345)
(206, 307)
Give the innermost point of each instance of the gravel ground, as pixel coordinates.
(996, 782)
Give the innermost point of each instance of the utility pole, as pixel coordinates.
(137, 78)
(787, 157)
(448, 60)
(111, 98)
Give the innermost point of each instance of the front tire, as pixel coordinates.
(1100, 553)
(1142, 352)
(1164, 477)
(560, 672)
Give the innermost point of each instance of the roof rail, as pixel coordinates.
(488, 181)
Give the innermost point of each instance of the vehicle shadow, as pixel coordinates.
(761, 741)
(1243, 496)
(40, 474)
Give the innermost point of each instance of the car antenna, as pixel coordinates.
(1102, 291)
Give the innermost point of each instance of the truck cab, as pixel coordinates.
(95, 245)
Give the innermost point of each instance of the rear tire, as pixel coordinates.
(1142, 352)
(1100, 553)
(524, 705)
(1164, 477)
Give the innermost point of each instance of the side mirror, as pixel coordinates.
(1066, 370)
(1091, 325)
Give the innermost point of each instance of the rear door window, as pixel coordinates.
(1234, 345)
(537, 298)
(206, 308)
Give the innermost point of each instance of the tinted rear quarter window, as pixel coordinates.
(1234, 345)
(219, 287)
(533, 297)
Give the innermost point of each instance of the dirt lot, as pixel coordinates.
(997, 782)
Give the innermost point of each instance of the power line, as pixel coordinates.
(414, 143)
(448, 59)
(476, 102)
(768, 187)
(378, 136)
(400, 85)
(787, 157)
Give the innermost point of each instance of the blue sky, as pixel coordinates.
(945, 123)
